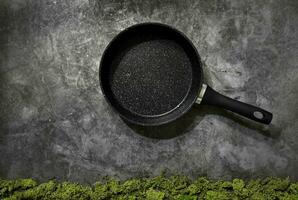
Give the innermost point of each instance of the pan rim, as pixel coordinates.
(153, 122)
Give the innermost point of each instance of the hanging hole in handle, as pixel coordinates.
(258, 115)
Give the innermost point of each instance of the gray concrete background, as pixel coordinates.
(55, 123)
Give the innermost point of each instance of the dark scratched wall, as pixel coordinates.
(54, 121)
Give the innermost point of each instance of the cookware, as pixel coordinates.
(151, 74)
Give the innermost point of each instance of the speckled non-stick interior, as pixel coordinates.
(152, 77)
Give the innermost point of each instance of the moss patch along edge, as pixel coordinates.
(156, 188)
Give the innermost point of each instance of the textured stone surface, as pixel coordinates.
(54, 121)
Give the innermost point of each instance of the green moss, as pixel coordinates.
(152, 194)
(42, 191)
(211, 195)
(186, 197)
(67, 191)
(276, 184)
(8, 187)
(293, 188)
(156, 188)
(131, 186)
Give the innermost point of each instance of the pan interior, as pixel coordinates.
(151, 77)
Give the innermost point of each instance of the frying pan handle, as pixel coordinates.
(208, 96)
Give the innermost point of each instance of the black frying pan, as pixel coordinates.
(151, 74)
